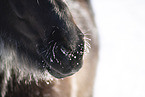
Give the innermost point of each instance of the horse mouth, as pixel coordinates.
(61, 61)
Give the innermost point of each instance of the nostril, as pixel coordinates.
(68, 37)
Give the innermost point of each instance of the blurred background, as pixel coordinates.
(121, 68)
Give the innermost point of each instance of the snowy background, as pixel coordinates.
(121, 68)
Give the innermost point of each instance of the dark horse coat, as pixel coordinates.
(42, 44)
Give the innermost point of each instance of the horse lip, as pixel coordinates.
(60, 74)
(74, 67)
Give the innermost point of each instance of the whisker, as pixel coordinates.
(88, 34)
(38, 2)
(86, 38)
(53, 50)
(41, 53)
(48, 53)
(51, 60)
(88, 44)
(50, 42)
(57, 60)
(86, 51)
(53, 32)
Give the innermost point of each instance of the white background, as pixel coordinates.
(121, 68)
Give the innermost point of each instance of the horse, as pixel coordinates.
(48, 48)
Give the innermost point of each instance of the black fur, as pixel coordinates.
(44, 32)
